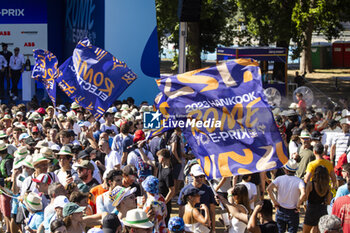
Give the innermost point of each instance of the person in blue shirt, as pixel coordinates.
(343, 190)
(33, 203)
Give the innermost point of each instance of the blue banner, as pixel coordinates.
(93, 78)
(45, 71)
(23, 12)
(225, 118)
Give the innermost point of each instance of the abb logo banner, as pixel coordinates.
(29, 44)
(5, 33)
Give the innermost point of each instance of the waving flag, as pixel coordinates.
(225, 118)
(45, 71)
(93, 78)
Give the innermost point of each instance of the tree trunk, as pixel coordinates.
(305, 59)
(193, 46)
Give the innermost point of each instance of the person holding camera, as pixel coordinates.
(66, 174)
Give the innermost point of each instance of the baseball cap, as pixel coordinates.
(35, 129)
(191, 191)
(83, 154)
(196, 170)
(71, 208)
(110, 223)
(23, 136)
(139, 136)
(42, 178)
(86, 164)
(60, 201)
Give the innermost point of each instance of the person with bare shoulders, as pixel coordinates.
(194, 220)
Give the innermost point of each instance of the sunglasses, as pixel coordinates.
(199, 177)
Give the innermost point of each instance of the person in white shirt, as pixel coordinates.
(16, 68)
(290, 195)
(252, 191)
(112, 159)
(66, 174)
(3, 65)
(109, 124)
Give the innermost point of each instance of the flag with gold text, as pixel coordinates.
(225, 118)
(94, 78)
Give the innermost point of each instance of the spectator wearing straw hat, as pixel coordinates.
(305, 153)
(34, 205)
(41, 165)
(26, 171)
(10, 148)
(290, 194)
(66, 174)
(137, 220)
(123, 199)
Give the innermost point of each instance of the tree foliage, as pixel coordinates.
(213, 26)
(226, 22)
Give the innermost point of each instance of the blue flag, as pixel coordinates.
(225, 118)
(93, 78)
(45, 71)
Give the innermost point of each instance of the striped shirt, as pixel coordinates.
(341, 144)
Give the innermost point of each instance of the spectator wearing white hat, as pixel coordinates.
(207, 198)
(305, 153)
(41, 165)
(55, 190)
(66, 174)
(19, 175)
(290, 194)
(136, 220)
(58, 205)
(34, 205)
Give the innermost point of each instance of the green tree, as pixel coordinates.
(212, 30)
(321, 16)
(269, 22)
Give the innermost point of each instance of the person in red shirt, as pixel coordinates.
(301, 103)
(341, 209)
